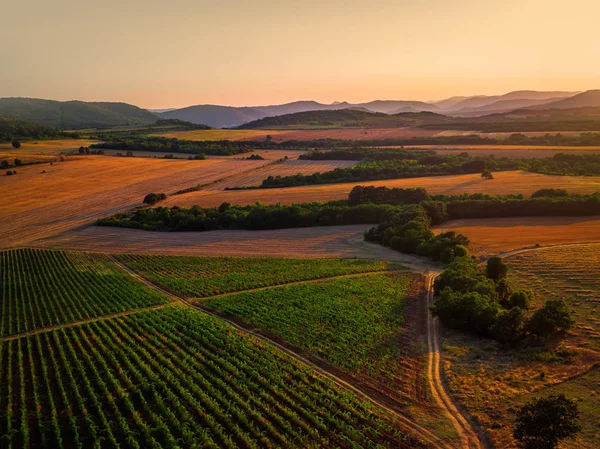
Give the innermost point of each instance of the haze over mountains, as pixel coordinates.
(80, 114)
(228, 116)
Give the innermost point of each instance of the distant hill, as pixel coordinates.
(11, 128)
(483, 103)
(589, 98)
(344, 118)
(502, 106)
(75, 114)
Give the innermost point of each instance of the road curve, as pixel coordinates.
(468, 437)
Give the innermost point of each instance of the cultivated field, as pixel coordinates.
(207, 276)
(503, 183)
(282, 135)
(285, 168)
(77, 192)
(45, 288)
(317, 242)
(174, 377)
(491, 236)
(41, 150)
(511, 151)
(492, 382)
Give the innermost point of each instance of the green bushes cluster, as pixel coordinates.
(482, 302)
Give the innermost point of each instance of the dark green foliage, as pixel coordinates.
(471, 311)
(509, 325)
(384, 195)
(12, 129)
(255, 157)
(18, 162)
(544, 422)
(553, 317)
(496, 269)
(16, 144)
(550, 193)
(11, 172)
(4, 164)
(463, 276)
(487, 175)
(521, 299)
(153, 198)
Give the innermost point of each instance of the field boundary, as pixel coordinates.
(411, 426)
(42, 330)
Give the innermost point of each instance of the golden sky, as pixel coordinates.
(173, 53)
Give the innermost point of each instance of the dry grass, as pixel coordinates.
(493, 382)
(318, 242)
(498, 235)
(510, 151)
(286, 168)
(41, 150)
(504, 183)
(77, 192)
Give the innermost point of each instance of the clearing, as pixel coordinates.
(503, 183)
(492, 382)
(490, 236)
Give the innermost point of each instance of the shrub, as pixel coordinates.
(16, 144)
(553, 317)
(509, 325)
(521, 298)
(153, 198)
(471, 312)
(18, 162)
(496, 269)
(544, 422)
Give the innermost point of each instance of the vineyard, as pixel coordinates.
(174, 378)
(207, 276)
(41, 288)
(355, 323)
(571, 273)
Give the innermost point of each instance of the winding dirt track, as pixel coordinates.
(469, 438)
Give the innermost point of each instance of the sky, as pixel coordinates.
(175, 53)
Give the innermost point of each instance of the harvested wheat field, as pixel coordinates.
(503, 183)
(511, 151)
(286, 168)
(41, 150)
(282, 135)
(83, 189)
(499, 235)
(318, 242)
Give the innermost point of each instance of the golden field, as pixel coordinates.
(41, 150)
(490, 236)
(84, 188)
(503, 183)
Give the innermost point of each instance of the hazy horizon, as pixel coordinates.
(157, 55)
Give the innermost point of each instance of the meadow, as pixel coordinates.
(43, 288)
(207, 276)
(174, 378)
(491, 236)
(492, 382)
(41, 150)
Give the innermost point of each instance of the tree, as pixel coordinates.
(510, 325)
(487, 175)
(521, 298)
(544, 422)
(82, 150)
(18, 162)
(553, 317)
(496, 269)
(16, 144)
(4, 164)
(153, 198)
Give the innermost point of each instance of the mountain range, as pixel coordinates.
(80, 114)
(229, 116)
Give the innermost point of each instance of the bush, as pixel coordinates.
(18, 162)
(471, 312)
(521, 298)
(496, 269)
(16, 144)
(553, 317)
(544, 422)
(510, 325)
(153, 198)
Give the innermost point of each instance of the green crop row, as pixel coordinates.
(174, 378)
(41, 288)
(206, 276)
